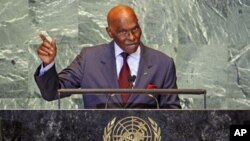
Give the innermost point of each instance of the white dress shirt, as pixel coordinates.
(133, 60)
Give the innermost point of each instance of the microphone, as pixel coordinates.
(131, 80)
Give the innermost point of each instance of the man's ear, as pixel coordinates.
(109, 32)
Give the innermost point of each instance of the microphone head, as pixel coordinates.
(131, 79)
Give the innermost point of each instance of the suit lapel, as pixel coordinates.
(144, 70)
(109, 64)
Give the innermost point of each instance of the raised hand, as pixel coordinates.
(47, 50)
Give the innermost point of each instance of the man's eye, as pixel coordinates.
(123, 32)
(135, 29)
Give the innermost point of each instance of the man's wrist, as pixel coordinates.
(44, 68)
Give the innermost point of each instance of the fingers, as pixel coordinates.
(50, 44)
(47, 48)
(43, 38)
(47, 39)
(44, 50)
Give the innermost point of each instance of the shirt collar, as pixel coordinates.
(118, 51)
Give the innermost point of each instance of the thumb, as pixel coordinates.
(53, 42)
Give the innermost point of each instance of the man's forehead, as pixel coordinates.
(120, 13)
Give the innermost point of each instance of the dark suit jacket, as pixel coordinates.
(95, 67)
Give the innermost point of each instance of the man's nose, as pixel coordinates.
(131, 36)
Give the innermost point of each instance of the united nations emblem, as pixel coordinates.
(132, 129)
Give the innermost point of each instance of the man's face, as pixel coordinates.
(126, 32)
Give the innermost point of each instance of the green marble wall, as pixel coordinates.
(209, 40)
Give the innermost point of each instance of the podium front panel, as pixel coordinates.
(115, 125)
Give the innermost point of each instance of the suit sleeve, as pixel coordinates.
(70, 77)
(48, 83)
(170, 101)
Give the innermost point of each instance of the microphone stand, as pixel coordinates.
(106, 103)
(156, 100)
(131, 80)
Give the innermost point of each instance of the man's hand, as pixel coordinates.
(47, 50)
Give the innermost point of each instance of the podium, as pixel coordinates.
(121, 124)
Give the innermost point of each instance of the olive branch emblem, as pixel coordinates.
(156, 130)
(108, 130)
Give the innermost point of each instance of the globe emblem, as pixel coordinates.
(132, 129)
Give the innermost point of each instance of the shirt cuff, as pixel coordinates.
(45, 69)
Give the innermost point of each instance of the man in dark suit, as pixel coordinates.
(102, 66)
